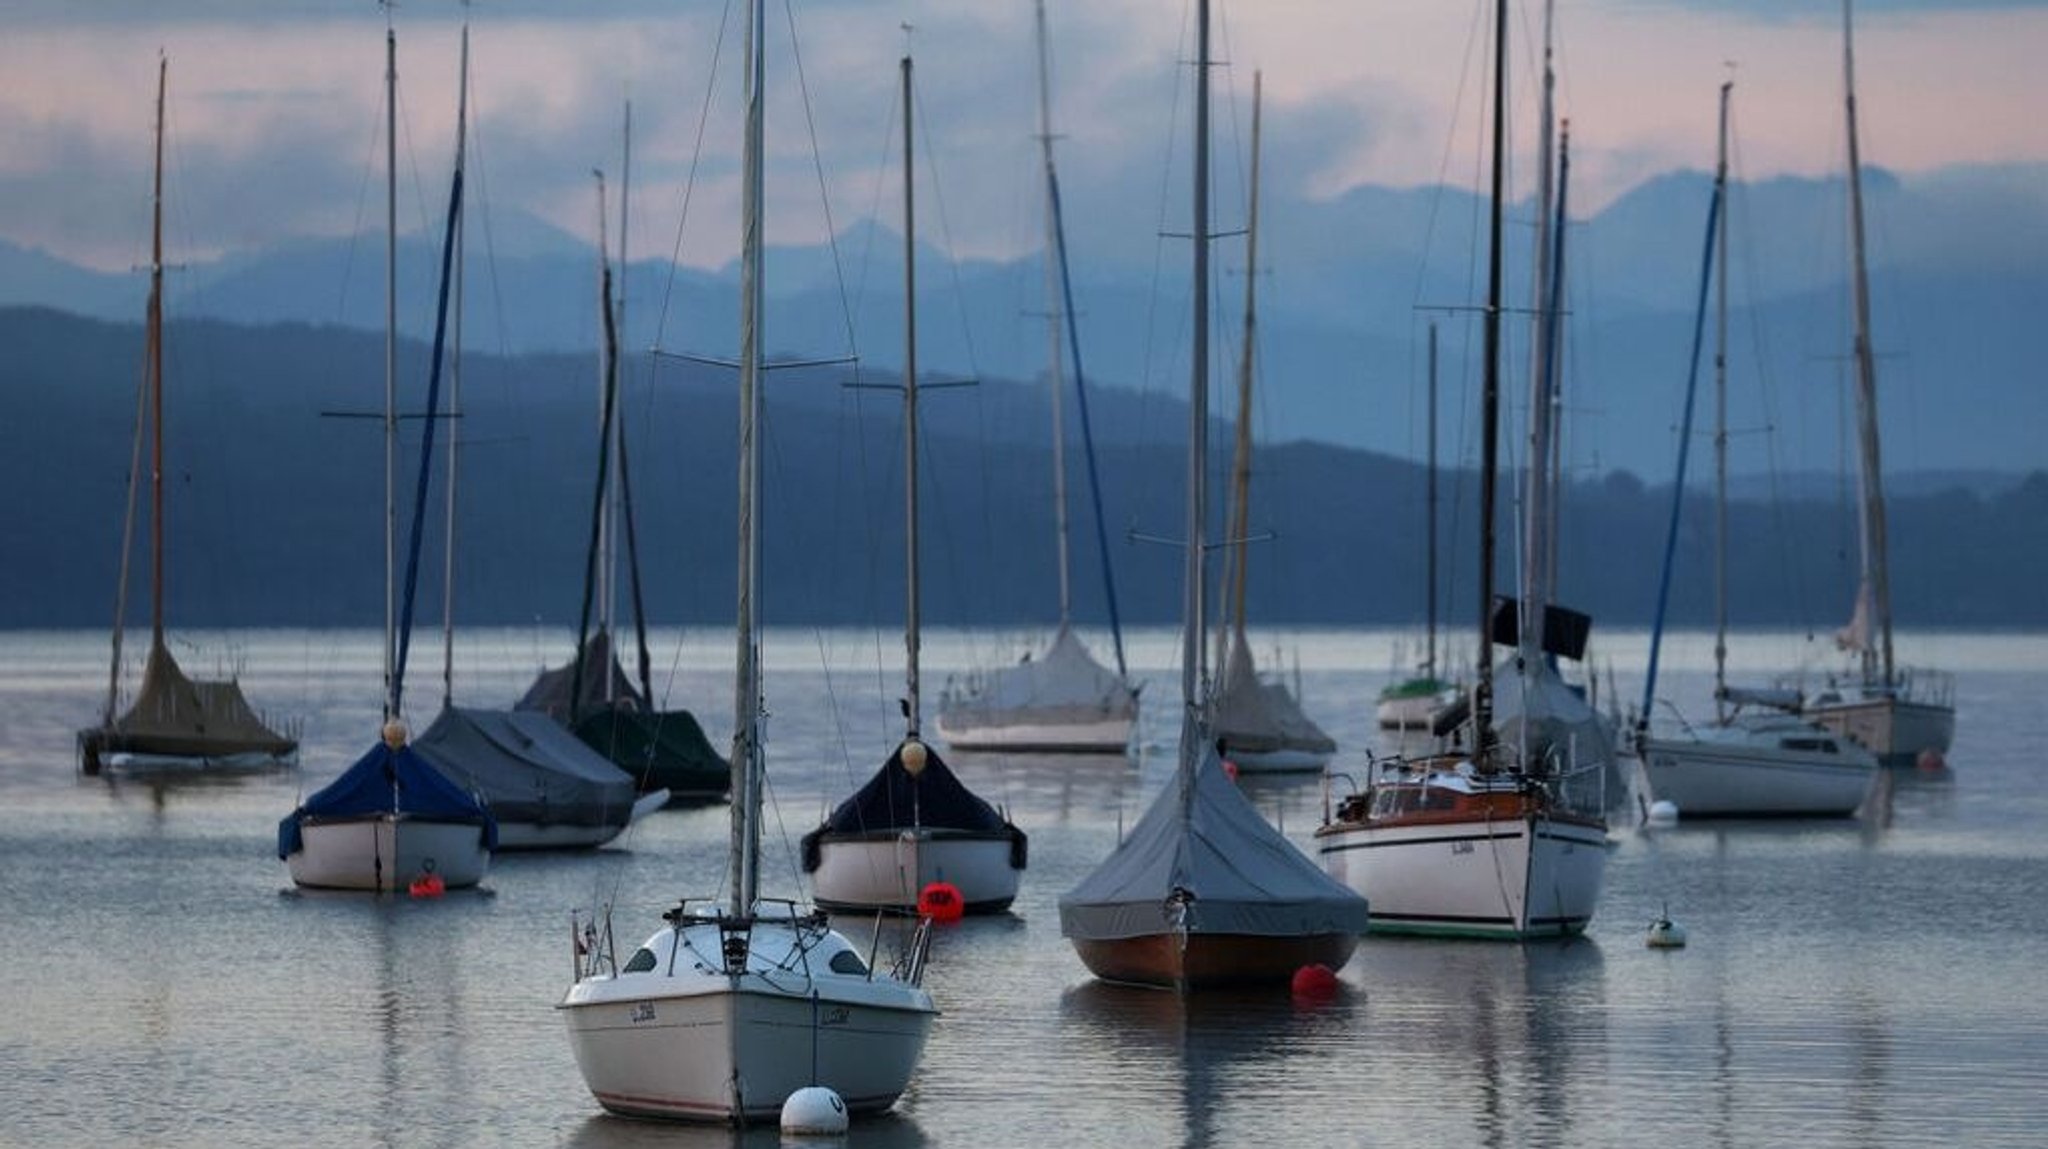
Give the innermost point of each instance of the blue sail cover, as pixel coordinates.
(387, 781)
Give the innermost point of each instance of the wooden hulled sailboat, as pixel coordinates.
(1753, 759)
(1062, 701)
(914, 823)
(725, 1011)
(1498, 841)
(1898, 713)
(175, 722)
(1203, 892)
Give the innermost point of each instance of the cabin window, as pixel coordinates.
(847, 961)
(641, 962)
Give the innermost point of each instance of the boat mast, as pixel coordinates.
(156, 378)
(390, 371)
(1876, 591)
(1536, 541)
(746, 752)
(910, 612)
(1239, 529)
(1054, 375)
(1194, 679)
(616, 505)
(1489, 454)
(1721, 428)
(454, 395)
(1429, 660)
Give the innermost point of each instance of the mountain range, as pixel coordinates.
(1959, 267)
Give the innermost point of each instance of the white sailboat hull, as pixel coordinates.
(1410, 713)
(385, 853)
(1512, 879)
(676, 1037)
(1895, 729)
(564, 836)
(1731, 772)
(1105, 735)
(889, 871)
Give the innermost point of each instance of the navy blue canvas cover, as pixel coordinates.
(893, 800)
(386, 781)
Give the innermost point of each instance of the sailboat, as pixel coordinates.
(1204, 892)
(1494, 839)
(914, 823)
(176, 722)
(1412, 703)
(392, 818)
(728, 1009)
(545, 788)
(1257, 724)
(1754, 758)
(1898, 713)
(661, 750)
(1063, 701)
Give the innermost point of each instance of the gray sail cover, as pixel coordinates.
(1538, 714)
(527, 767)
(1223, 868)
(1065, 685)
(1251, 715)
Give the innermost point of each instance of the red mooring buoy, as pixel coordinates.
(428, 885)
(1318, 982)
(941, 901)
(1930, 761)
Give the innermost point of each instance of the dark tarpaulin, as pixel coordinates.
(555, 690)
(387, 781)
(665, 750)
(527, 767)
(893, 800)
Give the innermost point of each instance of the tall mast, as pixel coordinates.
(1721, 429)
(1052, 324)
(1429, 661)
(746, 752)
(910, 613)
(1489, 453)
(155, 353)
(1536, 539)
(618, 433)
(1241, 463)
(1193, 679)
(390, 373)
(1876, 590)
(454, 396)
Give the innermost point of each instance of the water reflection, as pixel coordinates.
(1198, 1055)
(891, 1130)
(1055, 788)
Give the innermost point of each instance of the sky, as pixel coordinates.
(276, 121)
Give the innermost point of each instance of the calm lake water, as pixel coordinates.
(1878, 981)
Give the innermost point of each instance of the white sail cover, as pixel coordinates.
(1256, 716)
(1066, 685)
(1221, 869)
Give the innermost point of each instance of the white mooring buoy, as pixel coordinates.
(1665, 934)
(1663, 813)
(814, 1111)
